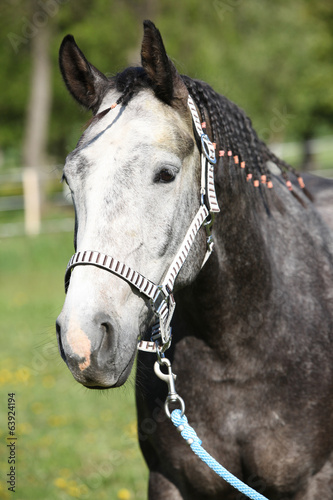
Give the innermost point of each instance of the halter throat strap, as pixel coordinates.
(161, 296)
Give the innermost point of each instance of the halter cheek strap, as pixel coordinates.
(208, 160)
(161, 296)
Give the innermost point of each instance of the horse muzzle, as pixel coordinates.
(91, 351)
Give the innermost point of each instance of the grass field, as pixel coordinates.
(71, 442)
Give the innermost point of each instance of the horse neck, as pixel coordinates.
(271, 257)
(230, 293)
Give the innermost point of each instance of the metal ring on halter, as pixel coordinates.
(160, 350)
(174, 400)
(208, 148)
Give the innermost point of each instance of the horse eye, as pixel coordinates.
(165, 176)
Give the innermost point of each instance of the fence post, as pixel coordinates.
(32, 201)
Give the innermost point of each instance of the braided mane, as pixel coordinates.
(231, 129)
(233, 134)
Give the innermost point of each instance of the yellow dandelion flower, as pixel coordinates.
(124, 494)
(57, 420)
(84, 490)
(74, 491)
(60, 482)
(23, 375)
(24, 428)
(6, 376)
(3, 492)
(132, 430)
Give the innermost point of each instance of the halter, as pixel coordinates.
(161, 296)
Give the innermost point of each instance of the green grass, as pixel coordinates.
(71, 442)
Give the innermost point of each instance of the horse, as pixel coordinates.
(165, 168)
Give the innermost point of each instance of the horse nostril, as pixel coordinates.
(60, 346)
(106, 328)
(107, 336)
(107, 345)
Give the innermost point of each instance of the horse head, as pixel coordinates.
(134, 177)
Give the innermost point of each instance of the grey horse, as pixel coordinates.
(252, 332)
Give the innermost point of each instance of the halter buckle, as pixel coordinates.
(160, 299)
(208, 148)
(163, 305)
(161, 336)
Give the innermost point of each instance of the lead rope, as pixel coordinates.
(180, 421)
(190, 436)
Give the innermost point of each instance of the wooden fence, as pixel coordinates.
(21, 204)
(20, 192)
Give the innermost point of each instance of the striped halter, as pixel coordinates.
(161, 296)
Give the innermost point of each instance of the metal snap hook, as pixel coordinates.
(169, 378)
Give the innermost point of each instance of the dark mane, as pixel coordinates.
(234, 136)
(231, 129)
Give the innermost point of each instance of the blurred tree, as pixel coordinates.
(106, 32)
(272, 58)
(37, 120)
(14, 75)
(279, 65)
(320, 76)
(38, 109)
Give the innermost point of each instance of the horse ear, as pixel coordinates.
(85, 82)
(167, 83)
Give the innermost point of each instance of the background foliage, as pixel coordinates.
(273, 58)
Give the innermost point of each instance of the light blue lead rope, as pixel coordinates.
(190, 436)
